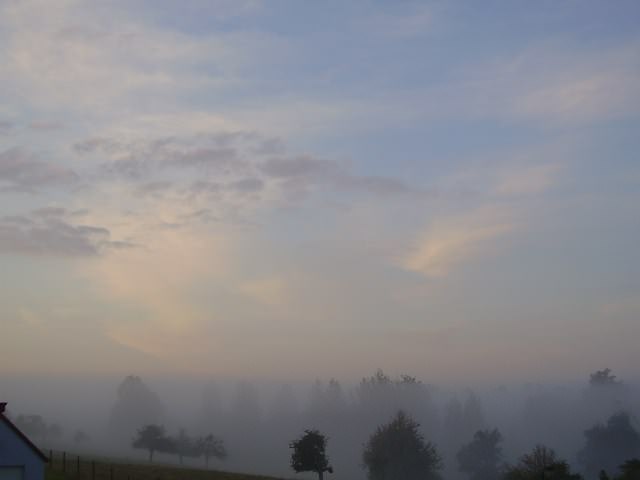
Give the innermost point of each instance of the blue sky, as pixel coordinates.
(448, 189)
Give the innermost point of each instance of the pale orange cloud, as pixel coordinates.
(450, 242)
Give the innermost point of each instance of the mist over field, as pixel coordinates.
(258, 420)
(219, 219)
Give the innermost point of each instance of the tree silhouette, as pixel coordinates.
(136, 405)
(153, 439)
(629, 470)
(607, 446)
(541, 464)
(603, 378)
(309, 453)
(397, 451)
(210, 446)
(184, 446)
(481, 457)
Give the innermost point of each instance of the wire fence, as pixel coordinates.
(86, 468)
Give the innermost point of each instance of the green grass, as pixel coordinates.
(113, 469)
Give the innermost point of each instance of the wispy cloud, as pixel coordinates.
(529, 180)
(24, 172)
(47, 232)
(452, 241)
(416, 20)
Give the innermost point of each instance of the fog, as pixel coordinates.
(258, 419)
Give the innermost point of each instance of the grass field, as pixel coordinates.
(113, 469)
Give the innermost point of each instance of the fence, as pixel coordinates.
(77, 467)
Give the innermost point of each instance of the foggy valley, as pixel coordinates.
(256, 422)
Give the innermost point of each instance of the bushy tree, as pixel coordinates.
(309, 453)
(184, 446)
(481, 457)
(472, 413)
(541, 464)
(607, 446)
(153, 439)
(136, 405)
(210, 446)
(603, 378)
(630, 470)
(397, 451)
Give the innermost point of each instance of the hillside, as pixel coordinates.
(114, 469)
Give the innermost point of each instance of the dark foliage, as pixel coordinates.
(608, 446)
(309, 453)
(482, 456)
(210, 446)
(397, 451)
(541, 464)
(603, 378)
(153, 439)
(630, 470)
(136, 405)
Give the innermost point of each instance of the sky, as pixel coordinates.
(287, 189)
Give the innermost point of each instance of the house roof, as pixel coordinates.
(19, 433)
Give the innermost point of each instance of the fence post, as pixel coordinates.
(78, 465)
(64, 461)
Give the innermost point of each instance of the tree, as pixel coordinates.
(629, 470)
(607, 446)
(481, 457)
(397, 451)
(212, 414)
(210, 446)
(472, 414)
(454, 427)
(603, 378)
(309, 453)
(541, 464)
(184, 446)
(136, 405)
(153, 439)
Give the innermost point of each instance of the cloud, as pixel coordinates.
(45, 126)
(452, 241)
(247, 185)
(104, 58)
(298, 173)
(154, 189)
(140, 159)
(300, 167)
(45, 231)
(223, 172)
(416, 22)
(558, 83)
(526, 180)
(21, 171)
(594, 96)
